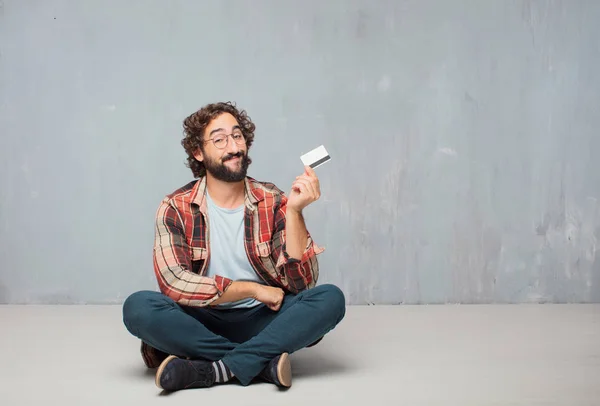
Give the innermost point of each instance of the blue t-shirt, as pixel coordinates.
(227, 252)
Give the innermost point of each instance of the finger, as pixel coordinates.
(314, 188)
(304, 176)
(310, 171)
(312, 179)
(304, 189)
(308, 185)
(314, 182)
(301, 187)
(297, 186)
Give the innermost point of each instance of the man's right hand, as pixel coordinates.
(271, 296)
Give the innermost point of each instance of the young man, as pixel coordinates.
(235, 265)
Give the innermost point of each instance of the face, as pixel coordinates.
(224, 152)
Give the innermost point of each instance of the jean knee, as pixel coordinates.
(335, 299)
(137, 309)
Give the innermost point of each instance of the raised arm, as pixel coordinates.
(293, 248)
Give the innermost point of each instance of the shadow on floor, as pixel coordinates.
(139, 372)
(312, 362)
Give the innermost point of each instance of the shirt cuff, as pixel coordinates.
(222, 283)
(310, 251)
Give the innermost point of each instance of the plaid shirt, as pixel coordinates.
(182, 249)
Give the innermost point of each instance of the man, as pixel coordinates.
(236, 268)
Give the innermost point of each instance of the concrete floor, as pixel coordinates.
(411, 355)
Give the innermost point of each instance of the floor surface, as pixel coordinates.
(379, 355)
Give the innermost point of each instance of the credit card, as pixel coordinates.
(316, 157)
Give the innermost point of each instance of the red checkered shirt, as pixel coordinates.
(182, 249)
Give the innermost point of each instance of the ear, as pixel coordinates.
(198, 155)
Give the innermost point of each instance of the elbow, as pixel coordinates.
(298, 284)
(189, 300)
(301, 276)
(170, 293)
(186, 299)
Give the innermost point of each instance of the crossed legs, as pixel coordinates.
(245, 340)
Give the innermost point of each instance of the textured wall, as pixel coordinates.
(464, 138)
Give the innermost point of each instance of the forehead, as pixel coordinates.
(224, 122)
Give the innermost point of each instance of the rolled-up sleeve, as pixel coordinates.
(172, 263)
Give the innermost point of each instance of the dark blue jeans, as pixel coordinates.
(245, 339)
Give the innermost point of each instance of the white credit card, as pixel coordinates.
(316, 157)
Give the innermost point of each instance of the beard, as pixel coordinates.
(220, 171)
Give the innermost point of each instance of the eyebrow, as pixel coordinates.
(216, 130)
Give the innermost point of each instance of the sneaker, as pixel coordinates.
(151, 356)
(175, 374)
(278, 371)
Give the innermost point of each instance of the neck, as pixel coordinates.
(228, 195)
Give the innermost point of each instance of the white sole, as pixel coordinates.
(161, 368)
(284, 370)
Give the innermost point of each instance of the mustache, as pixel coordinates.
(240, 154)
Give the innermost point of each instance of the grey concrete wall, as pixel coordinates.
(464, 137)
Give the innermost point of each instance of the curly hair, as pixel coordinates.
(195, 125)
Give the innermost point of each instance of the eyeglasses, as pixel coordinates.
(220, 140)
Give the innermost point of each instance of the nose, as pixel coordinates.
(232, 147)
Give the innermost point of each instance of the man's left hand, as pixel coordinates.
(305, 190)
